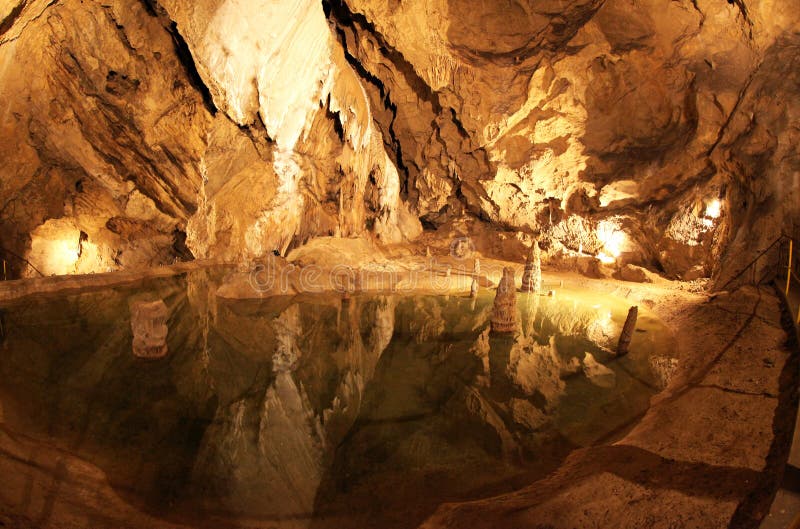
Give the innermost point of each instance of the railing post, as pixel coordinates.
(789, 269)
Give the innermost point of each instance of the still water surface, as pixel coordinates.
(311, 412)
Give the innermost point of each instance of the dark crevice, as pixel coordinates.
(182, 252)
(12, 17)
(700, 12)
(735, 391)
(339, 13)
(348, 25)
(347, 21)
(335, 119)
(743, 10)
(154, 9)
(183, 53)
(187, 60)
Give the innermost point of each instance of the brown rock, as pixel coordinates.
(149, 328)
(633, 273)
(504, 311)
(532, 277)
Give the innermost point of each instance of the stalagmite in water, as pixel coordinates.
(532, 277)
(473, 289)
(504, 313)
(627, 331)
(149, 327)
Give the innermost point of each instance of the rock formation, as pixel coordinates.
(532, 276)
(627, 331)
(162, 130)
(504, 311)
(149, 328)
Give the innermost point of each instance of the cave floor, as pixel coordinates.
(708, 452)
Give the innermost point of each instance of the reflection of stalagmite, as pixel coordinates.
(430, 324)
(627, 331)
(532, 277)
(287, 329)
(504, 312)
(149, 326)
(535, 368)
(533, 312)
(382, 327)
(263, 456)
(357, 358)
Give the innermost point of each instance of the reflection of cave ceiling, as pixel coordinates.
(231, 128)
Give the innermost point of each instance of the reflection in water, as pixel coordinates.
(318, 412)
(149, 327)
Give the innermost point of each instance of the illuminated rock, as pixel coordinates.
(233, 128)
(504, 311)
(149, 327)
(632, 273)
(532, 277)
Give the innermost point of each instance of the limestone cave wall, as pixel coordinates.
(138, 132)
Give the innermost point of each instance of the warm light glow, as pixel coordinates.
(713, 209)
(57, 248)
(59, 256)
(605, 258)
(613, 240)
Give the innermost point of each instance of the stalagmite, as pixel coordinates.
(473, 289)
(149, 327)
(504, 312)
(532, 277)
(627, 331)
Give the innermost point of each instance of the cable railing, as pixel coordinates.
(786, 273)
(791, 273)
(752, 265)
(7, 255)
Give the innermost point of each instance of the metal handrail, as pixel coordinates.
(6, 252)
(790, 273)
(756, 259)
